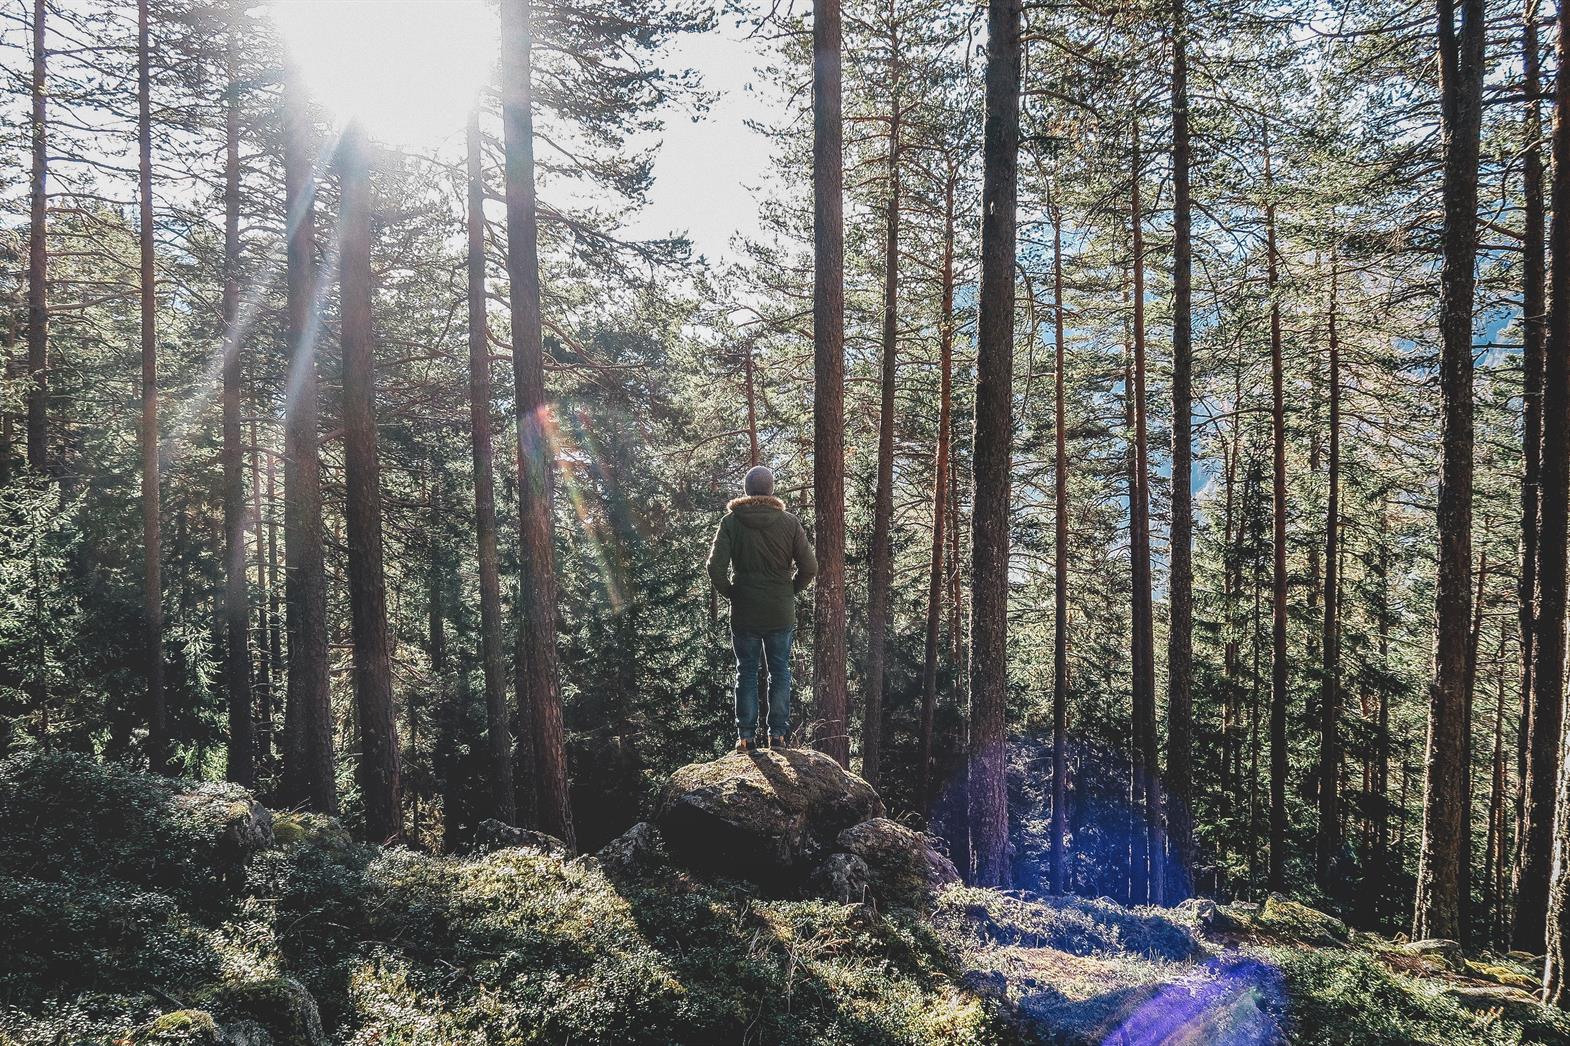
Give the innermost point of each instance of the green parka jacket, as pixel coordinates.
(761, 558)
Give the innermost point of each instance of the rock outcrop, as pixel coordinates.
(794, 822)
(491, 835)
(903, 866)
(767, 816)
(635, 850)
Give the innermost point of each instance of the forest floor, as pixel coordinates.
(136, 910)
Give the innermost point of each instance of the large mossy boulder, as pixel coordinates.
(766, 816)
(903, 867)
(1292, 920)
(279, 1007)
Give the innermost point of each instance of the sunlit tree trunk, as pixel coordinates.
(992, 449)
(379, 770)
(1178, 780)
(1329, 843)
(38, 259)
(882, 566)
(538, 684)
(1548, 673)
(1437, 907)
(1150, 868)
(237, 610)
(1058, 865)
(1533, 321)
(1544, 632)
(158, 747)
(498, 730)
(263, 692)
(1278, 661)
(940, 499)
(828, 403)
(308, 733)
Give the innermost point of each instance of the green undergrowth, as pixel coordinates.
(127, 931)
(131, 915)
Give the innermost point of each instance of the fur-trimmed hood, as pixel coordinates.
(758, 511)
(755, 500)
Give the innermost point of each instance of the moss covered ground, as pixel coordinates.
(134, 911)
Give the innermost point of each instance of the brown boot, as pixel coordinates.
(778, 743)
(744, 745)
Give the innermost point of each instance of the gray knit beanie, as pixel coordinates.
(759, 481)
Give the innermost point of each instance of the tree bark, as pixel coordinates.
(1278, 662)
(309, 773)
(1330, 670)
(1150, 873)
(1533, 323)
(262, 692)
(992, 447)
(1058, 865)
(828, 415)
(497, 720)
(1437, 907)
(1548, 672)
(940, 498)
(1549, 474)
(1178, 781)
(882, 567)
(237, 610)
(379, 771)
(38, 260)
(158, 747)
(539, 684)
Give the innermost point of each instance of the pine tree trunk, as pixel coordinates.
(309, 772)
(38, 261)
(1548, 673)
(828, 415)
(882, 567)
(1253, 720)
(1058, 864)
(1494, 848)
(1544, 701)
(1330, 669)
(492, 660)
(159, 752)
(539, 684)
(754, 455)
(1278, 661)
(1533, 322)
(9, 373)
(1151, 875)
(263, 691)
(451, 704)
(940, 499)
(1374, 883)
(994, 432)
(237, 609)
(1178, 780)
(1138, 845)
(1437, 907)
(1464, 843)
(378, 768)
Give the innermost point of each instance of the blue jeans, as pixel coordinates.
(751, 650)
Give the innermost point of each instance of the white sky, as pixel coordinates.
(411, 70)
(705, 170)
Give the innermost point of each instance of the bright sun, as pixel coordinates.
(410, 70)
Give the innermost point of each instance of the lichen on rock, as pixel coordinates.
(766, 816)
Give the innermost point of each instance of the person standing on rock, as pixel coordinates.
(760, 560)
